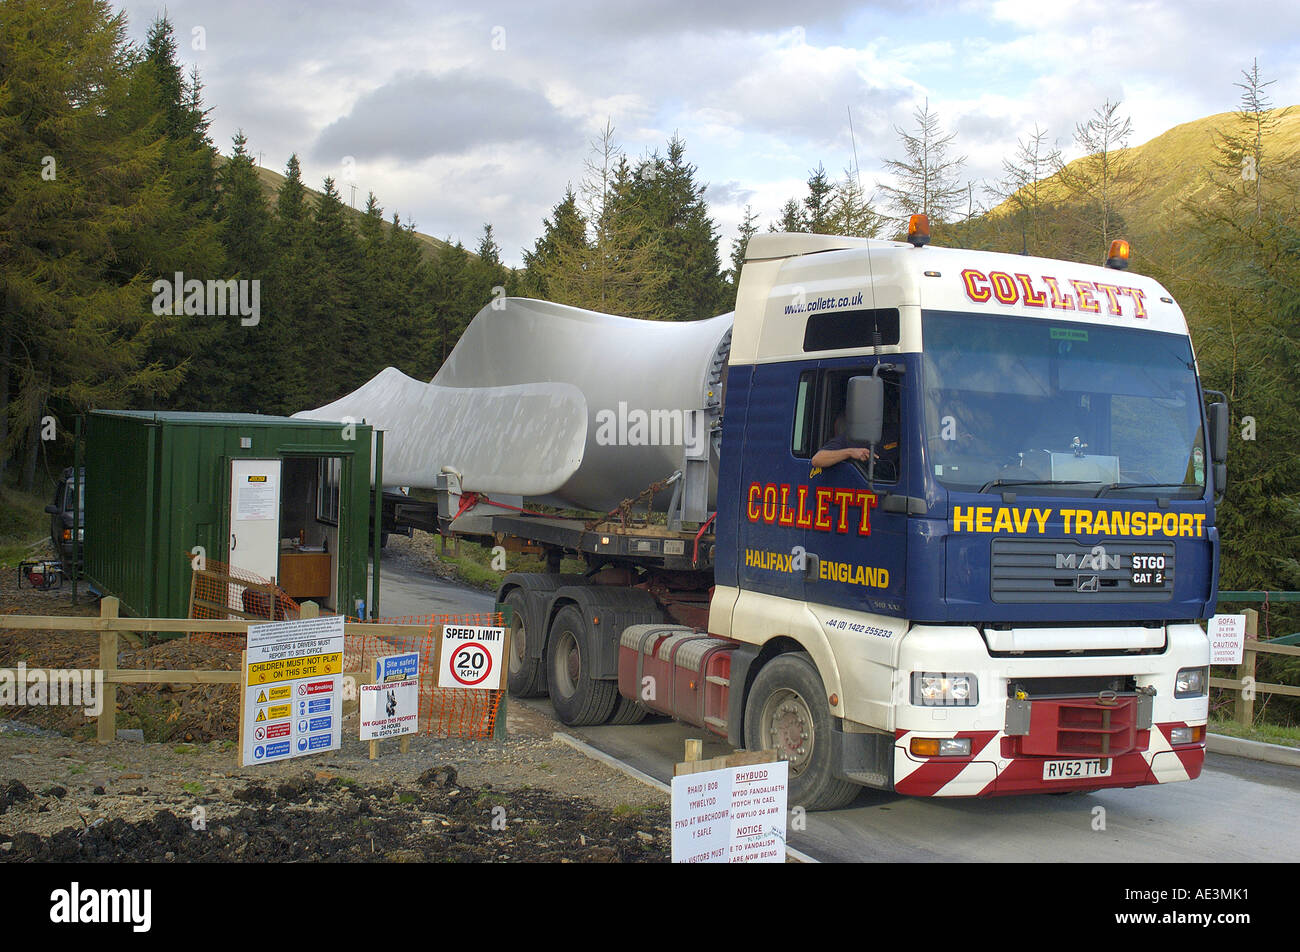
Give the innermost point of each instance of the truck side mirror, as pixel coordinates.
(864, 410)
(1218, 432)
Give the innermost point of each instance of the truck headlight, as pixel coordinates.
(931, 689)
(1191, 682)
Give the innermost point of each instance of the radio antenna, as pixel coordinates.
(857, 171)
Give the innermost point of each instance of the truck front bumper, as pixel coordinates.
(1056, 742)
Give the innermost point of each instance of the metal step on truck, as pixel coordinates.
(958, 540)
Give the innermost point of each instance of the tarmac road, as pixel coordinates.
(406, 591)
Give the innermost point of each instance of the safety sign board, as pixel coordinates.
(391, 708)
(1227, 638)
(399, 667)
(471, 657)
(732, 815)
(293, 689)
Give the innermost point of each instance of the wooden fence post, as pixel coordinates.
(106, 727)
(1245, 705)
(694, 750)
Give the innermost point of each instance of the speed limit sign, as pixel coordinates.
(471, 657)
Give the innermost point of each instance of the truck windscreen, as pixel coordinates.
(1060, 407)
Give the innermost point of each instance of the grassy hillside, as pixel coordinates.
(272, 180)
(1173, 168)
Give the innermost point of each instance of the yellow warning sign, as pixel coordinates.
(261, 716)
(280, 710)
(281, 692)
(261, 697)
(290, 669)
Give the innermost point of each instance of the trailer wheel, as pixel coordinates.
(579, 700)
(787, 710)
(628, 712)
(525, 673)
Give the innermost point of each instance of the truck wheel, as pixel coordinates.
(525, 678)
(578, 699)
(787, 711)
(628, 712)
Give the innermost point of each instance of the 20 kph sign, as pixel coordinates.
(470, 664)
(471, 657)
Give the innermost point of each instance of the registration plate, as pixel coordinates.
(1076, 769)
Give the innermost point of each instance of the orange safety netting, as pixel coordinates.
(444, 712)
(220, 591)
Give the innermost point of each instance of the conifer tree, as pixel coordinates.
(1101, 184)
(819, 202)
(927, 175)
(554, 268)
(851, 212)
(82, 173)
(791, 219)
(739, 245)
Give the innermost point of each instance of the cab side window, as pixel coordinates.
(819, 417)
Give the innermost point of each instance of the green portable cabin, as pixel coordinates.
(285, 499)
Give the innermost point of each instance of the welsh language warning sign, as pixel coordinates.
(471, 657)
(293, 689)
(732, 815)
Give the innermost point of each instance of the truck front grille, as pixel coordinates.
(1063, 571)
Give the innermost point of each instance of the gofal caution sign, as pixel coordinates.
(293, 689)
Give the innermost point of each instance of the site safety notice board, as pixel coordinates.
(293, 689)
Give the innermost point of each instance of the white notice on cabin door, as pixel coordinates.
(255, 516)
(257, 495)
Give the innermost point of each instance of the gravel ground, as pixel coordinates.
(64, 797)
(530, 798)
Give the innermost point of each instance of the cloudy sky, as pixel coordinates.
(456, 114)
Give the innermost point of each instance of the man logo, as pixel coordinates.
(1097, 560)
(1087, 583)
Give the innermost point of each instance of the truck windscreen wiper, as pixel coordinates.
(1106, 489)
(1034, 482)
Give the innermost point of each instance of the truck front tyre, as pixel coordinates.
(526, 673)
(787, 711)
(579, 700)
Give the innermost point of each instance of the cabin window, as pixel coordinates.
(851, 330)
(327, 489)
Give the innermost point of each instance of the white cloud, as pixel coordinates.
(757, 88)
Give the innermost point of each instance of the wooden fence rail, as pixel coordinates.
(1244, 683)
(109, 625)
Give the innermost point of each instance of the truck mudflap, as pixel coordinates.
(993, 769)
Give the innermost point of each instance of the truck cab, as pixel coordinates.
(1003, 595)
